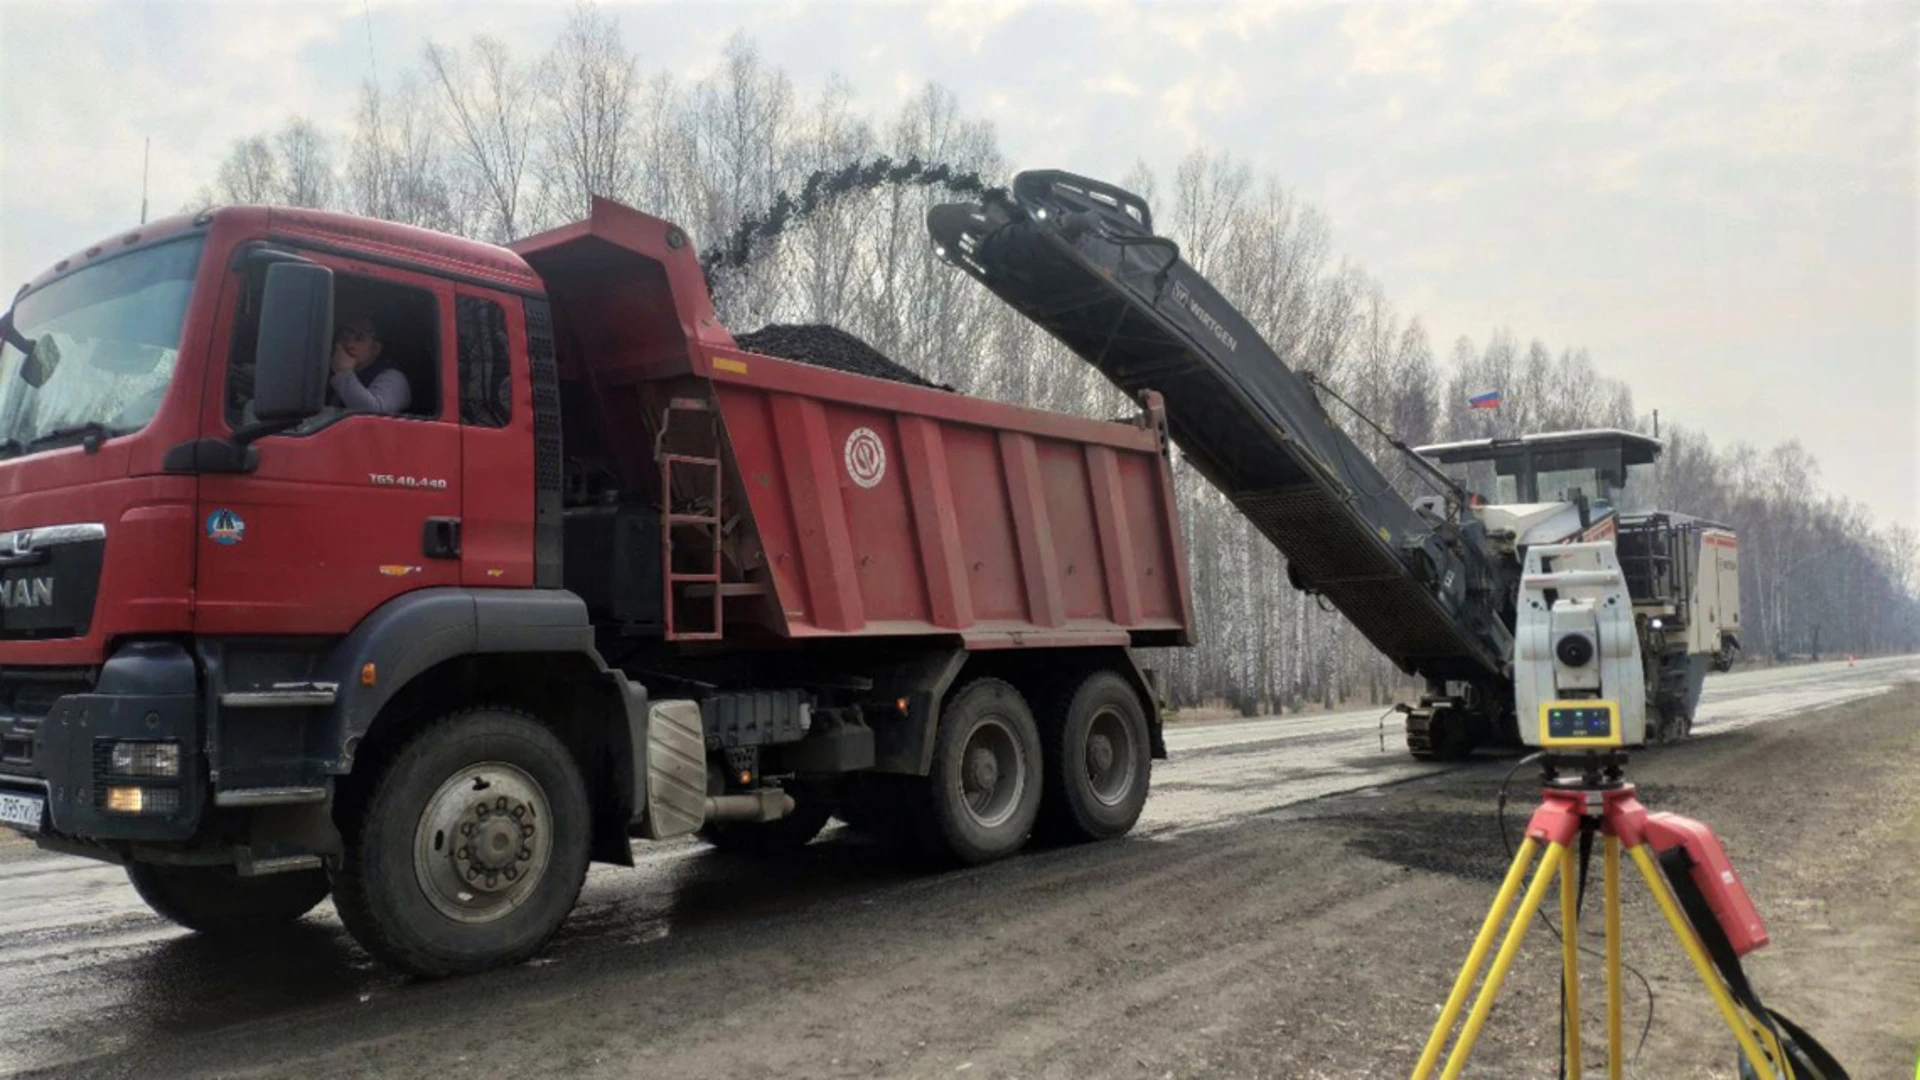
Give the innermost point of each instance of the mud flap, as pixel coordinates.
(676, 771)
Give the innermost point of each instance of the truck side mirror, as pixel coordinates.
(296, 335)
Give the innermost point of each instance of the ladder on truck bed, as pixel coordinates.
(1080, 259)
(690, 522)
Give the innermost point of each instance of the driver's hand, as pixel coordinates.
(342, 360)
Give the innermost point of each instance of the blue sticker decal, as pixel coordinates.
(225, 527)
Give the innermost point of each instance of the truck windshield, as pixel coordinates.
(93, 352)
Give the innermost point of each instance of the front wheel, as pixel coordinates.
(215, 900)
(470, 850)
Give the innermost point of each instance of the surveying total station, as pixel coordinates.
(1565, 618)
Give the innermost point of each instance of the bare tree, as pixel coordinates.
(477, 143)
(489, 108)
(305, 171)
(588, 142)
(250, 173)
(395, 169)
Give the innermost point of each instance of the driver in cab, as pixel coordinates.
(360, 382)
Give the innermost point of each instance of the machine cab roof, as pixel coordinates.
(1599, 464)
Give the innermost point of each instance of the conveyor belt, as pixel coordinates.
(1080, 259)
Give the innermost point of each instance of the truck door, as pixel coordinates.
(351, 508)
(496, 435)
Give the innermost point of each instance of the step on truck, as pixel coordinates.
(602, 575)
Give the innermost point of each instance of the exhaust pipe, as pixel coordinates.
(753, 808)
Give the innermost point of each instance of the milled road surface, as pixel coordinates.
(1242, 930)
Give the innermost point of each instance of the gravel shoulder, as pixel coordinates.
(1315, 941)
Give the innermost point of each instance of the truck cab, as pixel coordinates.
(585, 571)
(1554, 486)
(1681, 572)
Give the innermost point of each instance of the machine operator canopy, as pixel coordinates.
(1608, 466)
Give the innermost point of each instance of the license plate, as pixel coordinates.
(21, 811)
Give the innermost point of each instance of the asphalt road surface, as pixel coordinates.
(701, 964)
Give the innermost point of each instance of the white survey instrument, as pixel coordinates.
(1575, 638)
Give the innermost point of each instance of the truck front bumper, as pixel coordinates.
(144, 700)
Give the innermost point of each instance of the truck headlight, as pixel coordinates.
(145, 759)
(1655, 623)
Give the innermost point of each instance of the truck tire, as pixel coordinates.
(1097, 760)
(771, 839)
(215, 900)
(469, 851)
(981, 799)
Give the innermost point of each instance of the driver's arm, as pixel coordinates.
(388, 395)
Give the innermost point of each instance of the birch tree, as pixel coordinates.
(488, 108)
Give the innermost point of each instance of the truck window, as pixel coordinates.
(486, 388)
(403, 319)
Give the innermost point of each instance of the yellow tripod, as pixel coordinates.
(1599, 801)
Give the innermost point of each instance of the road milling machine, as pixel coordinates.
(1437, 582)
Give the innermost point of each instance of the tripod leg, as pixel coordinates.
(1570, 961)
(1612, 873)
(1730, 1011)
(1503, 960)
(1476, 956)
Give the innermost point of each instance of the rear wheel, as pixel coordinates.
(983, 794)
(215, 900)
(1098, 760)
(471, 848)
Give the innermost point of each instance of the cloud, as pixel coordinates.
(1717, 199)
(970, 23)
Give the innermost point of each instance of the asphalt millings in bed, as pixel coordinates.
(827, 347)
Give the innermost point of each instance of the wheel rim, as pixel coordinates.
(1110, 757)
(993, 773)
(483, 842)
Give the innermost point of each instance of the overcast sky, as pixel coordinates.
(1718, 200)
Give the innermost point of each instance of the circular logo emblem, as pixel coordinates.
(225, 527)
(866, 458)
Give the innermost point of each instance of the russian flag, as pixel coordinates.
(1488, 400)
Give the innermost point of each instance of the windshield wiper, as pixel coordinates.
(91, 435)
(11, 446)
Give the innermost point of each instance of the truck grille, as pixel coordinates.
(48, 580)
(26, 696)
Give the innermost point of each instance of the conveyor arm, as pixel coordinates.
(1080, 259)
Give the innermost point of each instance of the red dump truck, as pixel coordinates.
(606, 575)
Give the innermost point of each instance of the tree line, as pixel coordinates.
(489, 140)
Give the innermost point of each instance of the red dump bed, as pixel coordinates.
(860, 505)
